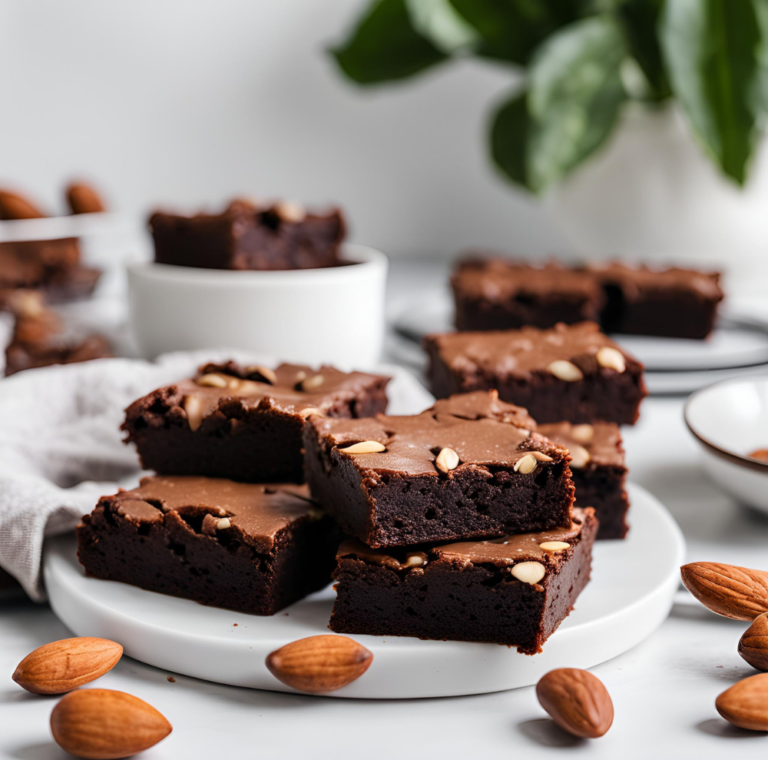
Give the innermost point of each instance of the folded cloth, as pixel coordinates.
(61, 446)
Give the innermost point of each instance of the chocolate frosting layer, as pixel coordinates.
(637, 281)
(482, 430)
(498, 280)
(298, 387)
(602, 440)
(502, 552)
(259, 512)
(519, 353)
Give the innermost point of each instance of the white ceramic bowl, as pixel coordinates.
(333, 315)
(729, 420)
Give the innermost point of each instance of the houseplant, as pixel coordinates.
(640, 121)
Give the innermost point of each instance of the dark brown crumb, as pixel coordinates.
(170, 679)
(234, 624)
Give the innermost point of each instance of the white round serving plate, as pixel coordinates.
(729, 420)
(331, 315)
(634, 582)
(733, 344)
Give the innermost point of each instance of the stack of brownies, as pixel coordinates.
(468, 521)
(456, 523)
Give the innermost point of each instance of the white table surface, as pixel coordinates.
(663, 690)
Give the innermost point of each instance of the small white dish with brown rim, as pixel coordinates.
(729, 420)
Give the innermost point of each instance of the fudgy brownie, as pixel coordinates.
(569, 372)
(252, 548)
(599, 471)
(496, 294)
(500, 294)
(247, 236)
(467, 467)
(514, 590)
(52, 266)
(672, 303)
(40, 339)
(245, 423)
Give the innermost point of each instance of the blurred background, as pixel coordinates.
(188, 104)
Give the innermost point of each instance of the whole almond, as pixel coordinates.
(753, 645)
(319, 664)
(731, 591)
(15, 206)
(577, 701)
(83, 199)
(100, 724)
(745, 704)
(64, 665)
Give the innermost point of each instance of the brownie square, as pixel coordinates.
(671, 303)
(51, 266)
(498, 294)
(244, 423)
(569, 372)
(467, 467)
(251, 548)
(514, 590)
(40, 339)
(599, 471)
(30, 263)
(247, 236)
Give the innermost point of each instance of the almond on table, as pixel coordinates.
(64, 665)
(577, 701)
(320, 664)
(101, 724)
(732, 591)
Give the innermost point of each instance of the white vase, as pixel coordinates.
(652, 195)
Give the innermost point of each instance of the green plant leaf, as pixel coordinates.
(714, 54)
(511, 30)
(639, 20)
(574, 97)
(385, 47)
(509, 138)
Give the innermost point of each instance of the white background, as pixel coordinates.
(189, 103)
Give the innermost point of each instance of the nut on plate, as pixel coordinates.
(577, 701)
(319, 664)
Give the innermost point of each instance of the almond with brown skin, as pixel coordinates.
(83, 199)
(100, 724)
(15, 206)
(732, 591)
(319, 664)
(753, 645)
(577, 701)
(745, 704)
(64, 665)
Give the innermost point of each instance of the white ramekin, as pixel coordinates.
(332, 315)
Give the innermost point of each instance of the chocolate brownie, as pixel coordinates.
(569, 372)
(40, 339)
(247, 236)
(496, 294)
(51, 266)
(672, 303)
(501, 294)
(244, 423)
(468, 467)
(599, 471)
(514, 590)
(252, 548)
